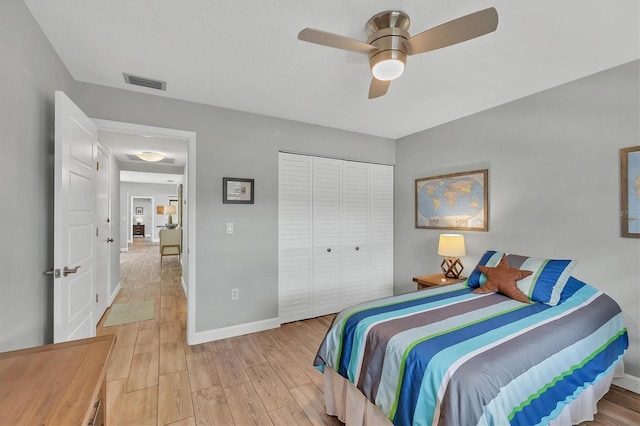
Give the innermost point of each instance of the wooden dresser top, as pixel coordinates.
(53, 384)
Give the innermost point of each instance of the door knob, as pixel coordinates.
(109, 240)
(357, 248)
(66, 271)
(329, 250)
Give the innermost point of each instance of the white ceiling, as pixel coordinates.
(124, 145)
(245, 55)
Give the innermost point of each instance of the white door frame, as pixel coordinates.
(105, 292)
(132, 214)
(189, 212)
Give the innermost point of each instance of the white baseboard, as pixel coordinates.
(628, 382)
(114, 293)
(184, 286)
(234, 330)
(124, 250)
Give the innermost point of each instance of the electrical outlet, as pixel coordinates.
(229, 227)
(235, 293)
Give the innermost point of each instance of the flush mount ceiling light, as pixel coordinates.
(150, 156)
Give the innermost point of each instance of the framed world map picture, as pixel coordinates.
(630, 192)
(456, 201)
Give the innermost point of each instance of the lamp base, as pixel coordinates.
(451, 267)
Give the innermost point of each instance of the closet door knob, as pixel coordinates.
(357, 247)
(329, 250)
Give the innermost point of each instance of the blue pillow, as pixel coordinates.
(490, 259)
(549, 277)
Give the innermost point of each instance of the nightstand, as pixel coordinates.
(425, 281)
(138, 230)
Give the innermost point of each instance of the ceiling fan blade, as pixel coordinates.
(334, 40)
(456, 31)
(378, 88)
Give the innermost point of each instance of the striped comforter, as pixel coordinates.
(476, 359)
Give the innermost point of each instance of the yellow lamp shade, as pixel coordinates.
(451, 245)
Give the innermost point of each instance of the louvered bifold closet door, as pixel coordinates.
(294, 237)
(380, 231)
(326, 209)
(354, 254)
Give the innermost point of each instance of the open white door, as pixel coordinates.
(74, 222)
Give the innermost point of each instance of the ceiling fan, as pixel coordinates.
(389, 43)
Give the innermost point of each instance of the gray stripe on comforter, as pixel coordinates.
(464, 400)
(379, 336)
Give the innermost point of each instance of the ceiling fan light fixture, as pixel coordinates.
(388, 64)
(389, 42)
(150, 156)
(389, 69)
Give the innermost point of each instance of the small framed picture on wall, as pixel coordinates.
(139, 210)
(237, 190)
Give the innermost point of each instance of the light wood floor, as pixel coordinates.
(261, 378)
(156, 378)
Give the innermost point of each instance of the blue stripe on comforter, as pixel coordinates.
(421, 355)
(404, 307)
(569, 386)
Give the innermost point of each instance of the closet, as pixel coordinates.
(335, 234)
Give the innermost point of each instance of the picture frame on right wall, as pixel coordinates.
(630, 192)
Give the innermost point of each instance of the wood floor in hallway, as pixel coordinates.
(155, 378)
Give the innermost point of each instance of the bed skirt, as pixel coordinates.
(345, 401)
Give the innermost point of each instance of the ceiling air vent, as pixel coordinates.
(144, 82)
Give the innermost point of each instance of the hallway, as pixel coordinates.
(155, 378)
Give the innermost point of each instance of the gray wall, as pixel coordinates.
(554, 180)
(234, 144)
(30, 71)
(160, 194)
(553, 160)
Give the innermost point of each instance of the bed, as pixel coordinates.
(449, 355)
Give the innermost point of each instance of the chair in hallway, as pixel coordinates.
(170, 243)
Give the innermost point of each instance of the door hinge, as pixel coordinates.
(96, 232)
(96, 297)
(97, 165)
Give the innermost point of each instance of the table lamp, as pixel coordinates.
(451, 246)
(169, 210)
